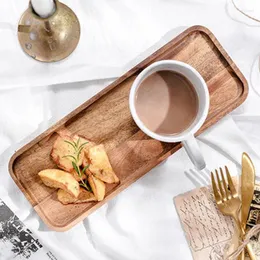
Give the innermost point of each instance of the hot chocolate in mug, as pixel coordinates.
(173, 90)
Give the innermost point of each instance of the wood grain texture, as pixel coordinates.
(106, 119)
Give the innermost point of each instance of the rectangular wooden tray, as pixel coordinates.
(106, 119)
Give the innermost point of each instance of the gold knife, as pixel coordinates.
(247, 192)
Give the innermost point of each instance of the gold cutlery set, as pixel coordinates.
(228, 200)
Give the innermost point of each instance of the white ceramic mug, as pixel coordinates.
(187, 136)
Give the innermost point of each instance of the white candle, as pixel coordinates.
(44, 8)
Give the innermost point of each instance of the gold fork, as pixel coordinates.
(227, 199)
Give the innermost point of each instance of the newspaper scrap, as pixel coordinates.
(254, 219)
(254, 214)
(209, 233)
(17, 241)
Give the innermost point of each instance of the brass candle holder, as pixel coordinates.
(49, 39)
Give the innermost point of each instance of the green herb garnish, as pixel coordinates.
(75, 159)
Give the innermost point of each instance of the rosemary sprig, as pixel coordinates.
(75, 159)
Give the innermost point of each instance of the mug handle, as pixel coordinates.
(192, 148)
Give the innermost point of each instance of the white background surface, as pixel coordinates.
(141, 223)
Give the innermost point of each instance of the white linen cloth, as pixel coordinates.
(140, 223)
